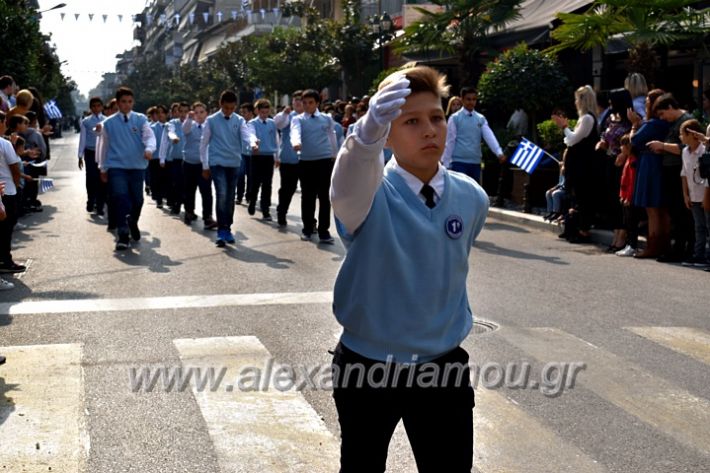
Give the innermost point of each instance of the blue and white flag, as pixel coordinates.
(45, 184)
(527, 156)
(52, 111)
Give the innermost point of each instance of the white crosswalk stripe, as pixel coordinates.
(688, 341)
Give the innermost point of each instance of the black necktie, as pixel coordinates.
(428, 193)
(125, 118)
(226, 117)
(199, 126)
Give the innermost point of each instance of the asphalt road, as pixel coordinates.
(638, 331)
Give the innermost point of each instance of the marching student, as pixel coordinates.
(288, 167)
(171, 156)
(158, 180)
(263, 162)
(244, 182)
(463, 138)
(95, 189)
(223, 137)
(313, 136)
(412, 226)
(192, 168)
(127, 144)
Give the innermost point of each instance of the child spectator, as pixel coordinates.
(555, 197)
(626, 196)
(694, 191)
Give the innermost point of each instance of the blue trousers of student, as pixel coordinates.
(315, 184)
(95, 189)
(193, 181)
(126, 190)
(289, 183)
(471, 170)
(438, 417)
(176, 184)
(225, 183)
(262, 174)
(244, 183)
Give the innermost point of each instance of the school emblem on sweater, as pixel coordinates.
(454, 226)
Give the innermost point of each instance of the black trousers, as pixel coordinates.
(682, 226)
(289, 183)
(262, 174)
(315, 184)
(95, 189)
(6, 228)
(157, 181)
(438, 420)
(193, 181)
(176, 183)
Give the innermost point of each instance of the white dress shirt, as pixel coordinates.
(581, 130)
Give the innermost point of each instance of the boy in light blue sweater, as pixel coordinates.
(263, 162)
(401, 293)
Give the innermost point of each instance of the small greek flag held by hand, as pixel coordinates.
(527, 156)
(45, 184)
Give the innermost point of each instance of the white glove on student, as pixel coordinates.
(384, 107)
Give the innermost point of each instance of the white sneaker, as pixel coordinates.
(5, 285)
(627, 251)
(20, 226)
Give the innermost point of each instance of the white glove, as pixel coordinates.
(384, 107)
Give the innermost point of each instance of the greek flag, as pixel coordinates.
(45, 184)
(527, 156)
(52, 111)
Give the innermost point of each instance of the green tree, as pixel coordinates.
(463, 29)
(546, 85)
(645, 24)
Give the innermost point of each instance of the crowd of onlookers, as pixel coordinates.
(638, 161)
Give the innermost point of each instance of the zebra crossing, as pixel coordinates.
(43, 424)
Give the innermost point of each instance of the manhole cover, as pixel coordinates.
(483, 326)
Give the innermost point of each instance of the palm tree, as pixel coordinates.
(644, 24)
(462, 28)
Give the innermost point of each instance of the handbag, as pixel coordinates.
(704, 165)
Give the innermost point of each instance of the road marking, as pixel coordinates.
(257, 431)
(169, 302)
(42, 422)
(671, 410)
(688, 341)
(536, 448)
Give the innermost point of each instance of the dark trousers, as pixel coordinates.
(682, 229)
(6, 228)
(126, 190)
(315, 183)
(157, 181)
(262, 174)
(244, 178)
(193, 181)
(225, 182)
(176, 184)
(289, 182)
(471, 170)
(95, 189)
(632, 217)
(438, 420)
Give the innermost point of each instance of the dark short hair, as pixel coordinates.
(174, 105)
(248, 106)
(262, 103)
(94, 100)
(468, 90)
(31, 116)
(199, 104)
(123, 91)
(691, 124)
(15, 120)
(298, 94)
(311, 94)
(228, 96)
(6, 81)
(161, 107)
(184, 104)
(19, 141)
(665, 102)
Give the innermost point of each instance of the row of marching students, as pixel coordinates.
(195, 151)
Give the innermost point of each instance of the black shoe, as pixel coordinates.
(135, 231)
(100, 214)
(159, 205)
(282, 220)
(580, 239)
(238, 201)
(210, 224)
(613, 249)
(189, 218)
(669, 258)
(175, 211)
(252, 208)
(221, 243)
(122, 243)
(326, 238)
(89, 207)
(147, 190)
(12, 267)
(267, 217)
(2, 360)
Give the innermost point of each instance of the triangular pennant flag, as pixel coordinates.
(62, 15)
(219, 16)
(104, 16)
(120, 18)
(177, 19)
(191, 17)
(234, 14)
(91, 17)
(76, 16)
(148, 19)
(206, 17)
(263, 13)
(161, 19)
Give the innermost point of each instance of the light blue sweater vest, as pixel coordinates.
(315, 144)
(158, 129)
(175, 150)
(401, 290)
(287, 153)
(89, 123)
(225, 146)
(191, 151)
(266, 133)
(125, 144)
(468, 137)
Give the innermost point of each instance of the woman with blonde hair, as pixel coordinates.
(635, 83)
(579, 161)
(455, 104)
